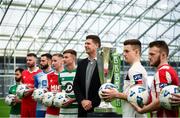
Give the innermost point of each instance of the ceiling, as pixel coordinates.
(42, 26)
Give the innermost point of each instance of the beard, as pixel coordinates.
(157, 62)
(44, 67)
(17, 79)
(30, 65)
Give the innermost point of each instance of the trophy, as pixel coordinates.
(106, 71)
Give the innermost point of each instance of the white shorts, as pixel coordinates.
(14, 116)
(129, 112)
(51, 116)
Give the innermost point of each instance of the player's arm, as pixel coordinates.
(112, 94)
(30, 90)
(69, 102)
(134, 77)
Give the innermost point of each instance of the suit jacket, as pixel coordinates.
(79, 87)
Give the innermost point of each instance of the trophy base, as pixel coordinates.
(104, 107)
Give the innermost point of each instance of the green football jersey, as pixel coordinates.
(66, 79)
(16, 109)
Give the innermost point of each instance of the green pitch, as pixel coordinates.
(4, 109)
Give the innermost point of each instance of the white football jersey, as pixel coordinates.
(136, 75)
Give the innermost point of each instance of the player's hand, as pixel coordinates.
(175, 99)
(137, 108)
(17, 100)
(70, 101)
(28, 92)
(109, 94)
(86, 104)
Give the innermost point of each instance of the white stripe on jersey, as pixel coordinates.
(69, 110)
(157, 80)
(67, 74)
(168, 77)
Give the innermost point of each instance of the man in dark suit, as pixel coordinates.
(87, 83)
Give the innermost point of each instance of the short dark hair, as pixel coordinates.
(31, 55)
(58, 54)
(162, 45)
(19, 69)
(135, 42)
(95, 39)
(71, 51)
(47, 55)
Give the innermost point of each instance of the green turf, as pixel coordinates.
(4, 109)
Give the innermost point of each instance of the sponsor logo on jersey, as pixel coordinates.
(44, 82)
(162, 85)
(68, 87)
(55, 88)
(137, 77)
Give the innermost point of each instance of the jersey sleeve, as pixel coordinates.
(135, 77)
(162, 79)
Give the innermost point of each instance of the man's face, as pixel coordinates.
(57, 62)
(30, 61)
(129, 54)
(18, 76)
(68, 59)
(154, 56)
(44, 62)
(90, 46)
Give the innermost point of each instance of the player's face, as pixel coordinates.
(154, 56)
(68, 59)
(90, 46)
(129, 54)
(57, 62)
(44, 62)
(31, 61)
(18, 76)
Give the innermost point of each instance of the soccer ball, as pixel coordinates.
(60, 99)
(106, 87)
(9, 99)
(138, 95)
(166, 93)
(48, 99)
(38, 94)
(21, 89)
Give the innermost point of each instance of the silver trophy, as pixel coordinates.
(105, 68)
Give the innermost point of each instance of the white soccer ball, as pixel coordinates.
(38, 94)
(166, 93)
(106, 87)
(9, 99)
(48, 99)
(59, 99)
(21, 89)
(138, 94)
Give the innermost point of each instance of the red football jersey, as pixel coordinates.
(164, 76)
(28, 104)
(53, 86)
